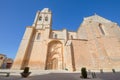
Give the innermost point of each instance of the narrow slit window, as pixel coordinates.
(71, 37)
(38, 36)
(55, 35)
(101, 29)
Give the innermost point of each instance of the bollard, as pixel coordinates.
(101, 70)
(113, 70)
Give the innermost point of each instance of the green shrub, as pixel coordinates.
(83, 72)
(113, 70)
(66, 69)
(26, 70)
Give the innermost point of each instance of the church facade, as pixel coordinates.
(95, 45)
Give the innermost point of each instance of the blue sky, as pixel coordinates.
(15, 15)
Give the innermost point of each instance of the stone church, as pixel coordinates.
(95, 45)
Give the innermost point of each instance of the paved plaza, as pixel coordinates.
(54, 75)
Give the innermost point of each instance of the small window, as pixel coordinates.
(38, 36)
(100, 24)
(46, 18)
(71, 37)
(55, 35)
(40, 18)
(90, 21)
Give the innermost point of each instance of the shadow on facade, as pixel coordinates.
(27, 55)
(73, 58)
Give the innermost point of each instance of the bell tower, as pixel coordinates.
(34, 35)
(43, 19)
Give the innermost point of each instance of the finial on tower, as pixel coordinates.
(95, 14)
(46, 10)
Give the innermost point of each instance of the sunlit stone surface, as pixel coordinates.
(95, 45)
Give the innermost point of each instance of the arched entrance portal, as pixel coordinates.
(54, 56)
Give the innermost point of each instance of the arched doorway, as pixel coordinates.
(54, 59)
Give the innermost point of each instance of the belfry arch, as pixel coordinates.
(54, 60)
